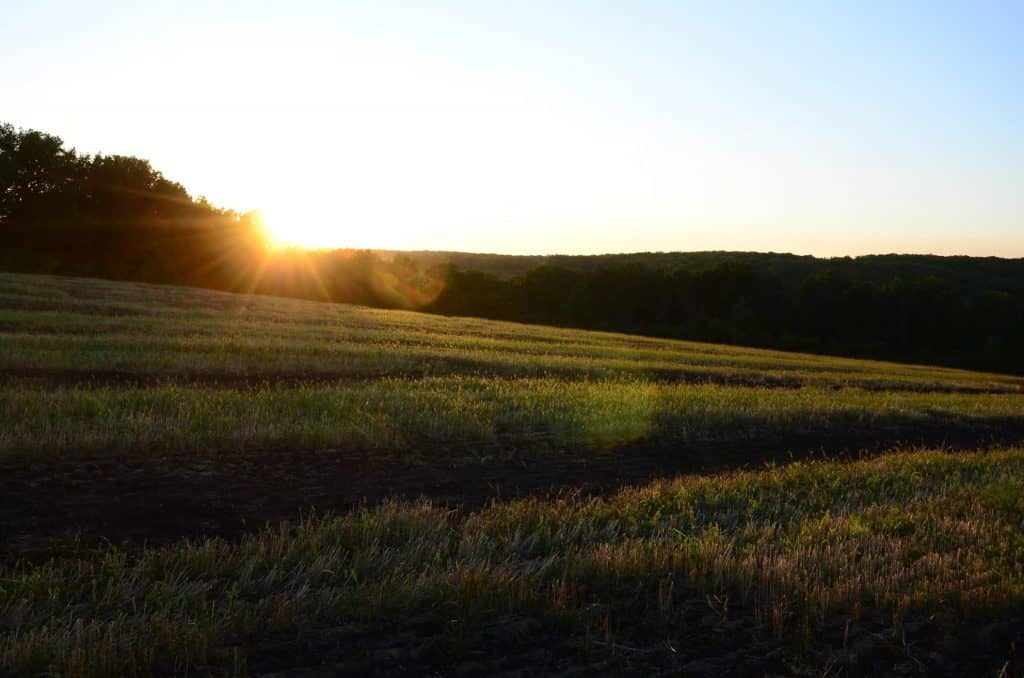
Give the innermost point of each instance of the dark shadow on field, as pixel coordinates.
(47, 507)
(700, 641)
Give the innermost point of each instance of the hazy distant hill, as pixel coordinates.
(969, 274)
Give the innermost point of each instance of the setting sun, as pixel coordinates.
(319, 228)
(286, 230)
(293, 229)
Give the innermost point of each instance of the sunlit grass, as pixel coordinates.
(463, 416)
(74, 325)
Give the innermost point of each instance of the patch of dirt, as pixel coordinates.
(46, 507)
(700, 642)
(117, 378)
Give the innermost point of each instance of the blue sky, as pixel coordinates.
(820, 128)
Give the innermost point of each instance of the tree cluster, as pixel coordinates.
(112, 216)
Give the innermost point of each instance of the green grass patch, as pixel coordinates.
(464, 416)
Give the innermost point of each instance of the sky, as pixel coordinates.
(819, 128)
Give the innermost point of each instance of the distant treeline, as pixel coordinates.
(973, 274)
(67, 213)
(902, 317)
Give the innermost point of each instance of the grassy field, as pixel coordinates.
(81, 327)
(504, 498)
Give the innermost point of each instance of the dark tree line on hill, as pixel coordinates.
(964, 274)
(67, 213)
(923, 319)
(112, 216)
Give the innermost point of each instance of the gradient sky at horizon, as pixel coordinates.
(548, 127)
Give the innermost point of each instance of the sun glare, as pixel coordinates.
(364, 220)
(295, 229)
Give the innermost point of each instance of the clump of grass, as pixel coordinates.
(927, 534)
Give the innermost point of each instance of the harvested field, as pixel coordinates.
(212, 483)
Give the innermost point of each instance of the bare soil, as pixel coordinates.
(705, 644)
(51, 505)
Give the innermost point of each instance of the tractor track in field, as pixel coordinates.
(241, 382)
(50, 507)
